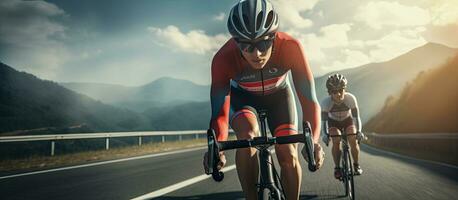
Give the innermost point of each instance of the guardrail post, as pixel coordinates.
(53, 146)
(180, 137)
(139, 140)
(107, 143)
(163, 139)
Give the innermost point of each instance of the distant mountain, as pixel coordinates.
(373, 83)
(162, 92)
(428, 104)
(188, 116)
(27, 102)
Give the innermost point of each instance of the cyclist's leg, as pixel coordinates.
(282, 119)
(336, 150)
(353, 143)
(245, 124)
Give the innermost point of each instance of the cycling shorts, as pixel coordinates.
(341, 125)
(280, 106)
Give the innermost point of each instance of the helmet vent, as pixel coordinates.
(259, 20)
(270, 16)
(247, 22)
(237, 23)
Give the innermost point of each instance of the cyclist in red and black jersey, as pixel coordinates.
(250, 72)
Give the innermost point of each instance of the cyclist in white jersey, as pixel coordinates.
(340, 112)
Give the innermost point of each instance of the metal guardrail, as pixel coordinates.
(107, 136)
(441, 147)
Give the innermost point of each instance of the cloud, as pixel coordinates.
(195, 41)
(331, 36)
(394, 44)
(219, 17)
(444, 13)
(289, 12)
(352, 59)
(379, 14)
(29, 37)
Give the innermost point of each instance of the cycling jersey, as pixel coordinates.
(230, 69)
(341, 113)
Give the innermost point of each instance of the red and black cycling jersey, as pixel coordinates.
(230, 68)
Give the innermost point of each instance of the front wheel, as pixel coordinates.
(347, 176)
(269, 194)
(350, 179)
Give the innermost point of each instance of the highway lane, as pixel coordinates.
(386, 176)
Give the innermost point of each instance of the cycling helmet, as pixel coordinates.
(336, 82)
(252, 19)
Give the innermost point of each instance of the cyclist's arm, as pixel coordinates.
(355, 113)
(357, 118)
(305, 86)
(220, 97)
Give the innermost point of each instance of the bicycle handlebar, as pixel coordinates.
(214, 147)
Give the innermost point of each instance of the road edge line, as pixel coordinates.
(102, 163)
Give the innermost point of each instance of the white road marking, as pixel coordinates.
(179, 185)
(412, 158)
(102, 163)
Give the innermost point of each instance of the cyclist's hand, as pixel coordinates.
(221, 163)
(325, 139)
(360, 136)
(319, 155)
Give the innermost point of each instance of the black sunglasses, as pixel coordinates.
(261, 45)
(336, 91)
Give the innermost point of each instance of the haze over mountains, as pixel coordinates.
(171, 104)
(163, 92)
(428, 104)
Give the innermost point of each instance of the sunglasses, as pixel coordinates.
(336, 91)
(261, 45)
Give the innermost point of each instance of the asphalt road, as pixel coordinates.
(386, 176)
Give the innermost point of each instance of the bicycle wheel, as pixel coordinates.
(350, 178)
(269, 194)
(345, 178)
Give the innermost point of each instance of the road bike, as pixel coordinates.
(347, 166)
(269, 185)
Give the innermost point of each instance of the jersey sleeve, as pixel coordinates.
(220, 97)
(304, 85)
(351, 100)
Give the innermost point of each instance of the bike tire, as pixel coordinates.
(345, 177)
(350, 179)
(269, 194)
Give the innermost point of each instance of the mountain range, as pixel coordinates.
(163, 92)
(27, 102)
(428, 104)
(30, 104)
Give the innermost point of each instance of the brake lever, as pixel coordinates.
(213, 156)
(309, 146)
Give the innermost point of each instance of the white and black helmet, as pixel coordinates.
(336, 82)
(252, 19)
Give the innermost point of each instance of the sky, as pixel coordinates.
(135, 42)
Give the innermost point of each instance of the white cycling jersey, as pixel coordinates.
(341, 111)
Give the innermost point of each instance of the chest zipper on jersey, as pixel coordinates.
(262, 82)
